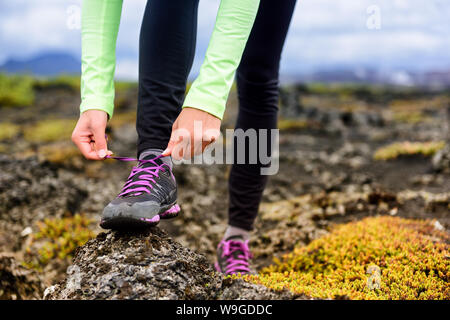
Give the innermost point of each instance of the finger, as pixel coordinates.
(100, 142)
(187, 150)
(169, 148)
(84, 145)
(177, 143)
(209, 136)
(196, 147)
(177, 151)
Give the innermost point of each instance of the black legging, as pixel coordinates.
(166, 53)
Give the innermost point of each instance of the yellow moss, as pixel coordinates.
(413, 111)
(297, 124)
(411, 117)
(58, 239)
(415, 105)
(289, 124)
(61, 153)
(50, 130)
(8, 130)
(394, 150)
(407, 259)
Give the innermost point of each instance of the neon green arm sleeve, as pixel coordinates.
(100, 21)
(210, 90)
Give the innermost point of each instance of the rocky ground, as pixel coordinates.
(327, 176)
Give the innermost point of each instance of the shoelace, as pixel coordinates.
(238, 263)
(144, 184)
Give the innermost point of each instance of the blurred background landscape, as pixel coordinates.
(364, 120)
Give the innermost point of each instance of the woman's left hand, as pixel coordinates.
(192, 131)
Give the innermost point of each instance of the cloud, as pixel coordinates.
(413, 34)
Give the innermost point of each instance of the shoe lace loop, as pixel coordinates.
(145, 181)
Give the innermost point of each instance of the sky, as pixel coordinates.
(386, 35)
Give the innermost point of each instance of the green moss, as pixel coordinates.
(58, 239)
(50, 130)
(71, 82)
(406, 148)
(8, 130)
(16, 90)
(406, 259)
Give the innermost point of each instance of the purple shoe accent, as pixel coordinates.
(146, 181)
(145, 178)
(216, 265)
(235, 255)
(172, 212)
(155, 219)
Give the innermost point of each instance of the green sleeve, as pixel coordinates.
(100, 21)
(209, 92)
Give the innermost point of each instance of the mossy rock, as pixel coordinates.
(57, 239)
(407, 148)
(412, 257)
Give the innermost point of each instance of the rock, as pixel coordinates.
(143, 265)
(31, 190)
(290, 101)
(147, 265)
(17, 282)
(441, 160)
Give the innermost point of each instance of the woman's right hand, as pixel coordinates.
(89, 135)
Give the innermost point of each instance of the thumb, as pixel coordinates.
(169, 148)
(172, 141)
(100, 142)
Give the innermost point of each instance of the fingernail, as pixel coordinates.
(164, 152)
(102, 153)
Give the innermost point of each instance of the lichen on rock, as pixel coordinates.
(148, 264)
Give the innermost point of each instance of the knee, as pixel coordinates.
(258, 89)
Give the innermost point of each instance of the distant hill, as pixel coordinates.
(430, 79)
(44, 64)
(55, 63)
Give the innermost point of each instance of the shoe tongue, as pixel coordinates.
(235, 238)
(238, 252)
(150, 157)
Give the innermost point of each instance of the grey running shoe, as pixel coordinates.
(150, 194)
(233, 256)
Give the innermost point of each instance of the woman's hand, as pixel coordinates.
(89, 134)
(192, 131)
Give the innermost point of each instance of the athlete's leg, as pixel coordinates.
(257, 80)
(166, 53)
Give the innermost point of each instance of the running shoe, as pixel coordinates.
(233, 256)
(150, 194)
